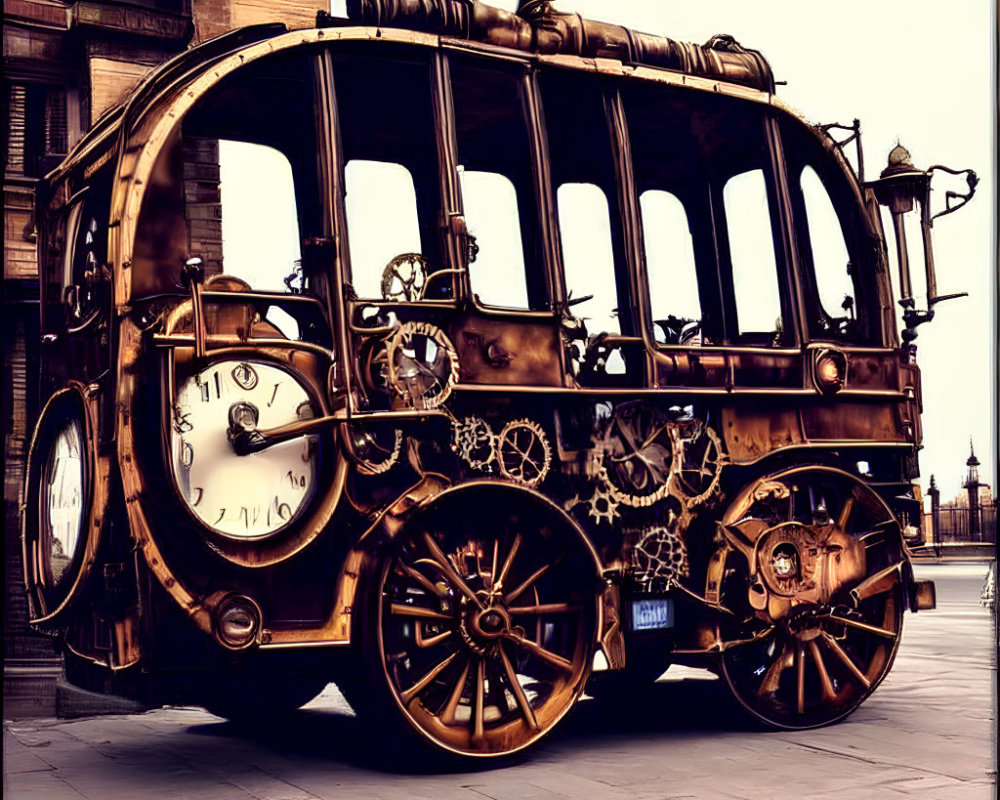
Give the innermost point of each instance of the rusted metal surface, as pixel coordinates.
(537, 27)
(476, 499)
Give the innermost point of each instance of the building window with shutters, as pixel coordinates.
(39, 132)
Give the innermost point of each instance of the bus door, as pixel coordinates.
(447, 278)
(601, 322)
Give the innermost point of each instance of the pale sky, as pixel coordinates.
(915, 72)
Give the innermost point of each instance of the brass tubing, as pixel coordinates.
(905, 289)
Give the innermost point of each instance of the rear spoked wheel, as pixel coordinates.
(484, 630)
(814, 573)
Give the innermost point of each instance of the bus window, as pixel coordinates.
(829, 250)
(260, 227)
(670, 267)
(491, 213)
(837, 262)
(586, 189)
(392, 179)
(751, 250)
(239, 188)
(374, 192)
(588, 256)
(85, 255)
(498, 187)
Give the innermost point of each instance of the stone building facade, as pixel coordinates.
(65, 63)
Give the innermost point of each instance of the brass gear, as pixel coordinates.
(421, 375)
(523, 452)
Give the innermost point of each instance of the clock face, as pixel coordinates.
(242, 495)
(62, 491)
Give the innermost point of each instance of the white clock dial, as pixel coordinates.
(62, 497)
(242, 495)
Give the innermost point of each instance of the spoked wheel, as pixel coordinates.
(814, 569)
(485, 626)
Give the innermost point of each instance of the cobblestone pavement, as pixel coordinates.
(928, 732)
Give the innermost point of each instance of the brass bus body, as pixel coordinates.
(445, 504)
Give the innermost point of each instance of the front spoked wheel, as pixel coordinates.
(485, 630)
(814, 570)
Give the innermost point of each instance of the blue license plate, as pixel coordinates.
(652, 614)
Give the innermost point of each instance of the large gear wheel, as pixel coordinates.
(523, 452)
(638, 454)
(475, 442)
(422, 365)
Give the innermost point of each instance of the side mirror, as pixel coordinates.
(900, 186)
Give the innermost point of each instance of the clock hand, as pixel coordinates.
(250, 440)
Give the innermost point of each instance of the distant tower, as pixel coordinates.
(972, 485)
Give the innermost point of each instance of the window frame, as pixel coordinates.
(541, 288)
(845, 196)
(705, 208)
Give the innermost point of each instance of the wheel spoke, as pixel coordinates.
(879, 583)
(515, 686)
(845, 513)
(877, 529)
(448, 714)
(493, 569)
(478, 712)
(442, 561)
(848, 662)
(420, 578)
(863, 626)
(800, 663)
(512, 596)
(545, 655)
(769, 683)
(824, 677)
(515, 545)
(407, 696)
(402, 610)
(430, 641)
(755, 639)
(549, 608)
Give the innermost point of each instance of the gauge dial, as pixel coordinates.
(250, 495)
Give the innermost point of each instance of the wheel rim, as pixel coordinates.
(822, 617)
(485, 637)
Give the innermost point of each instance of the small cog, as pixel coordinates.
(475, 442)
(603, 506)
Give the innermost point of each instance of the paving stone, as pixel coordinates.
(37, 786)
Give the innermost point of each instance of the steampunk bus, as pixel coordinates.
(547, 354)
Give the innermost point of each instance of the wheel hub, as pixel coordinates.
(484, 625)
(799, 565)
